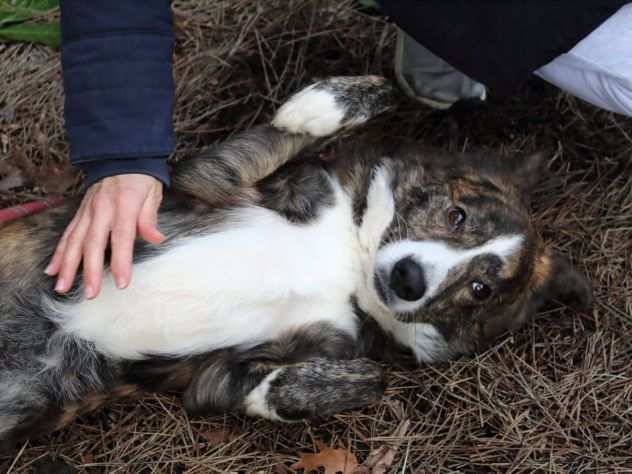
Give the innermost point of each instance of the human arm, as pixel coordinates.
(119, 95)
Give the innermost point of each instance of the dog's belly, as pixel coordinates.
(246, 283)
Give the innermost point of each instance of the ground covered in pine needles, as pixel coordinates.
(555, 396)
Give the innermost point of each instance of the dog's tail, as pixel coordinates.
(45, 420)
(321, 110)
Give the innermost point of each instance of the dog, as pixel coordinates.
(283, 281)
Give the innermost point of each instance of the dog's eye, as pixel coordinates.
(456, 217)
(481, 291)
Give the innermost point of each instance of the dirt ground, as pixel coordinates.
(554, 397)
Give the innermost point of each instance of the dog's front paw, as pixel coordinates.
(330, 105)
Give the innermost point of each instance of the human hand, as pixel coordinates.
(117, 207)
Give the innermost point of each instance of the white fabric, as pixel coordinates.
(599, 68)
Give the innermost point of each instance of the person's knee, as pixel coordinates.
(619, 94)
(600, 88)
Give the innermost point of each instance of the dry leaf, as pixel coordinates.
(4, 144)
(12, 180)
(53, 179)
(378, 461)
(7, 114)
(382, 458)
(56, 180)
(217, 436)
(333, 460)
(281, 469)
(10, 176)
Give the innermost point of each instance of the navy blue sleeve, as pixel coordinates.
(117, 61)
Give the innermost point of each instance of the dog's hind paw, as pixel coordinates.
(330, 105)
(315, 388)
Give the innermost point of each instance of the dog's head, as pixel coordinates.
(457, 261)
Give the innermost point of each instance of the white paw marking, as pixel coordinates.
(256, 401)
(311, 111)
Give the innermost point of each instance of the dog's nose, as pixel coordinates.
(407, 280)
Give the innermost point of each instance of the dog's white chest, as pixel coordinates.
(242, 285)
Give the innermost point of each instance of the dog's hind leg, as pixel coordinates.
(317, 387)
(232, 169)
(21, 403)
(306, 374)
(30, 416)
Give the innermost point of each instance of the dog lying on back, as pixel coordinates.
(282, 280)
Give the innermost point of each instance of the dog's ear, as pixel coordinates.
(555, 279)
(526, 171)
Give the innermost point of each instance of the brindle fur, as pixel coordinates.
(48, 378)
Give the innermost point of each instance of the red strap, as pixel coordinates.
(28, 208)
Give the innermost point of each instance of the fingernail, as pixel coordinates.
(89, 292)
(47, 270)
(120, 283)
(60, 285)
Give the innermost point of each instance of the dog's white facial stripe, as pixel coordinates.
(380, 211)
(438, 259)
(426, 342)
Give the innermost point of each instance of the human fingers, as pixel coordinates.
(96, 240)
(148, 218)
(123, 236)
(73, 251)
